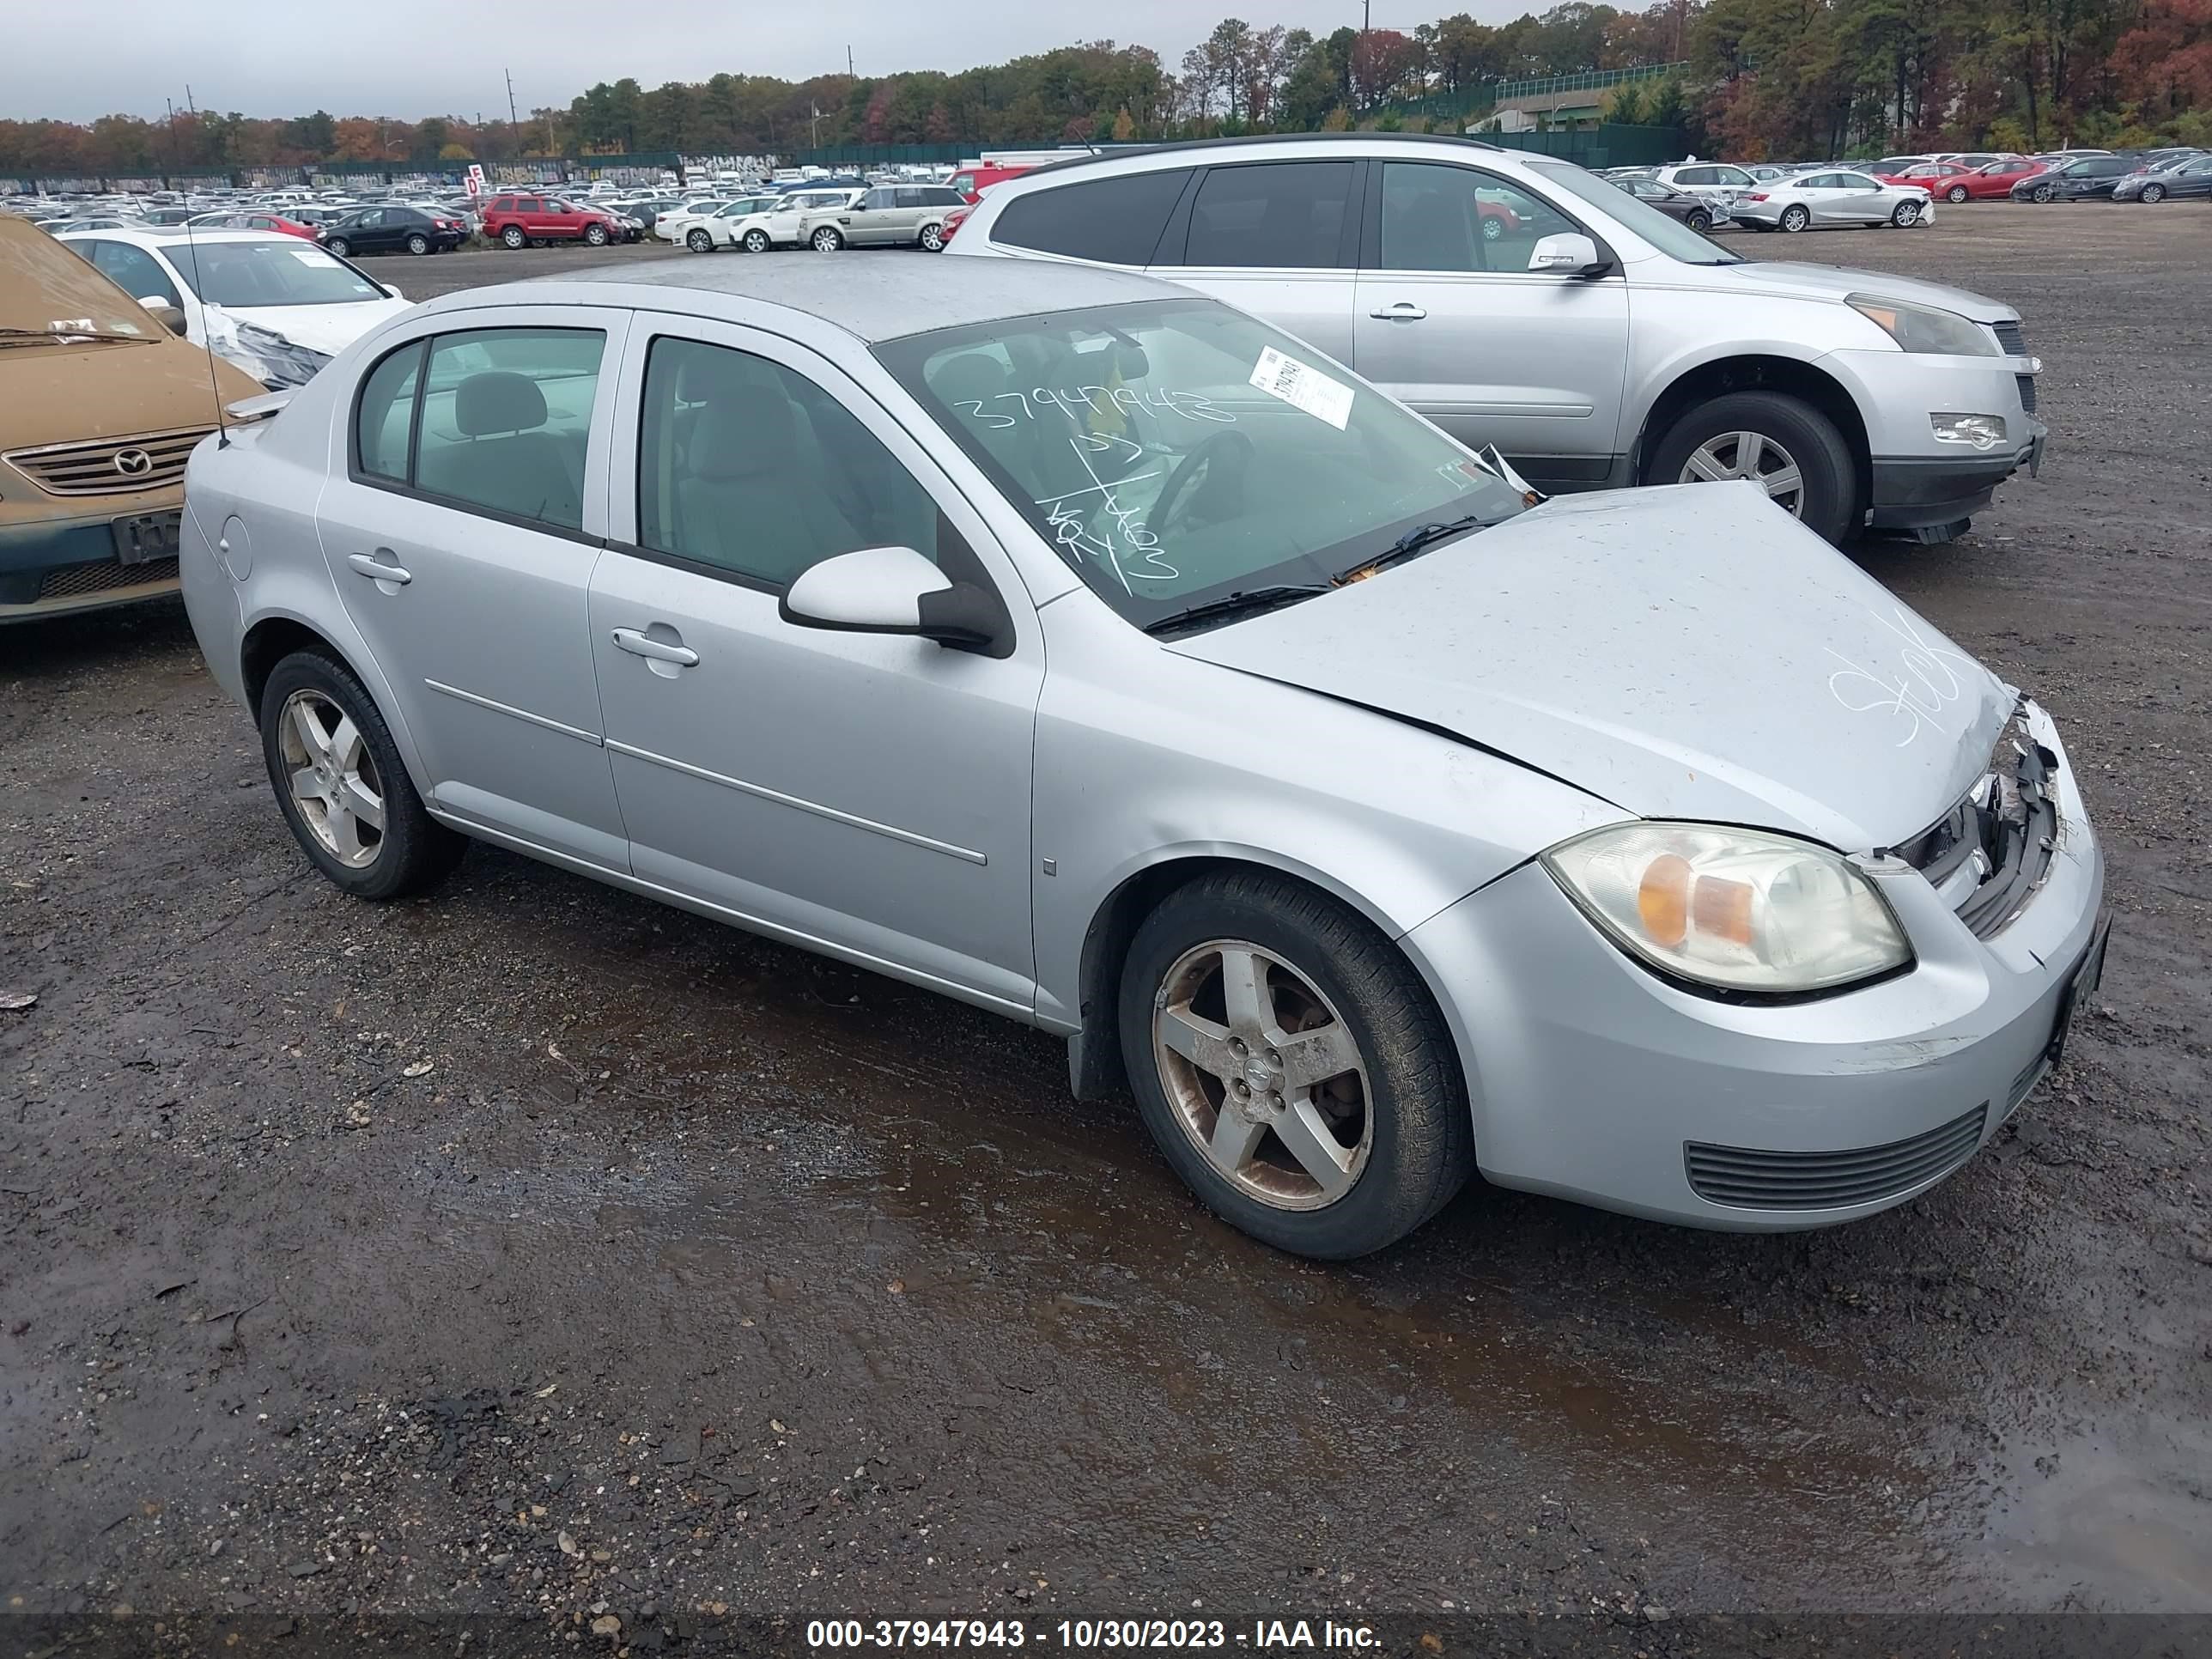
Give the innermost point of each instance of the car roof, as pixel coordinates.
(168, 236)
(872, 300)
(1258, 140)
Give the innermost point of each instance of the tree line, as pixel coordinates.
(1764, 78)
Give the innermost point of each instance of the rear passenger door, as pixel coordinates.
(1278, 239)
(461, 534)
(869, 793)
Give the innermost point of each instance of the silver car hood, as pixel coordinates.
(1788, 278)
(1690, 652)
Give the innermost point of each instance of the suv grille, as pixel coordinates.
(1990, 852)
(93, 468)
(1745, 1177)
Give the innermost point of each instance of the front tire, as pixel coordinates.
(1782, 443)
(758, 241)
(342, 786)
(339, 245)
(513, 236)
(418, 244)
(826, 240)
(2154, 193)
(700, 241)
(1292, 1067)
(2042, 193)
(1795, 218)
(1906, 215)
(1955, 195)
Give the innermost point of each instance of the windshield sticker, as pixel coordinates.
(1925, 679)
(1301, 387)
(308, 255)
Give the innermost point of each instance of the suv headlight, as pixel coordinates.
(1925, 329)
(1736, 909)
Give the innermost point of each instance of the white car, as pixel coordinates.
(1822, 200)
(792, 219)
(1717, 181)
(726, 225)
(277, 305)
(670, 227)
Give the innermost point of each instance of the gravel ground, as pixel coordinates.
(536, 1253)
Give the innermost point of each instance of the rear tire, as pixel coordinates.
(339, 245)
(700, 241)
(412, 851)
(1698, 219)
(1794, 219)
(418, 244)
(513, 236)
(1828, 476)
(1405, 1109)
(932, 239)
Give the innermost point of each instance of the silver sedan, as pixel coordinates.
(1085, 649)
(1837, 197)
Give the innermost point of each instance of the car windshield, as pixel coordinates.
(1671, 236)
(50, 291)
(1178, 453)
(271, 273)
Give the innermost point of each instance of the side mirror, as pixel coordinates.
(894, 590)
(392, 291)
(163, 313)
(1572, 254)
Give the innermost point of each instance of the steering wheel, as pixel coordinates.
(1233, 450)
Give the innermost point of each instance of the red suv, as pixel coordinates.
(525, 221)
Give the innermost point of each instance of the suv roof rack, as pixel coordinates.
(1181, 144)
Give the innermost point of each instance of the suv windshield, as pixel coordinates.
(1178, 453)
(270, 274)
(48, 288)
(1670, 237)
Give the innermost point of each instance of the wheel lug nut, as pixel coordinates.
(1274, 1059)
(1275, 1101)
(1237, 1047)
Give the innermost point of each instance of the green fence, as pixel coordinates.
(1606, 145)
(1450, 112)
(1584, 81)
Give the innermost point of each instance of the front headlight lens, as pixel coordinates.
(1740, 909)
(1925, 329)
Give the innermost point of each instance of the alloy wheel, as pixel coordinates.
(338, 245)
(1752, 455)
(2154, 193)
(596, 235)
(699, 242)
(1795, 218)
(2043, 192)
(1906, 213)
(827, 240)
(756, 241)
(932, 238)
(418, 244)
(1492, 228)
(1956, 194)
(513, 236)
(332, 778)
(1263, 1074)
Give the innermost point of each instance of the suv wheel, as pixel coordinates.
(827, 240)
(931, 238)
(1782, 444)
(757, 242)
(342, 786)
(1795, 218)
(513, 236)
(1956, 194)
(700, 241)
(339, 245)
(596, 235)
(418, 243)
(1292, 1067)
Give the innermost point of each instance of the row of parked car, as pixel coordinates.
(1878, 188)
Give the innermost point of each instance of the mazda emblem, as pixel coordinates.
(133, 463)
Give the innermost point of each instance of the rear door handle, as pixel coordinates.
(1403, 311)
(376, 570)
(643, 645)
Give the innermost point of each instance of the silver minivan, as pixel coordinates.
(1522, 301)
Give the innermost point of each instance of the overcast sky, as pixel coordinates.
(410, 58)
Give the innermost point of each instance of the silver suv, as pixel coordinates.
(1525, 302)
(907, 215)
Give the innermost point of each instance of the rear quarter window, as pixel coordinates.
(1112, 220)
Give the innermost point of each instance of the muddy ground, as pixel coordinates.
(537, 1251)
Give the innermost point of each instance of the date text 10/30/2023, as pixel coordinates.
(1259, 1635)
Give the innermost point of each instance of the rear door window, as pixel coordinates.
(1113, 221)
(1273, 215)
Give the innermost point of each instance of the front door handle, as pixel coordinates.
(371, 566)
(644, 645)
(1402, 311)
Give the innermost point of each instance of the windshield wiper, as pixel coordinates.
(1239, 603)
(12, 334)
(1406, 545)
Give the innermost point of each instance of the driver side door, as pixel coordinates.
(864, 793)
